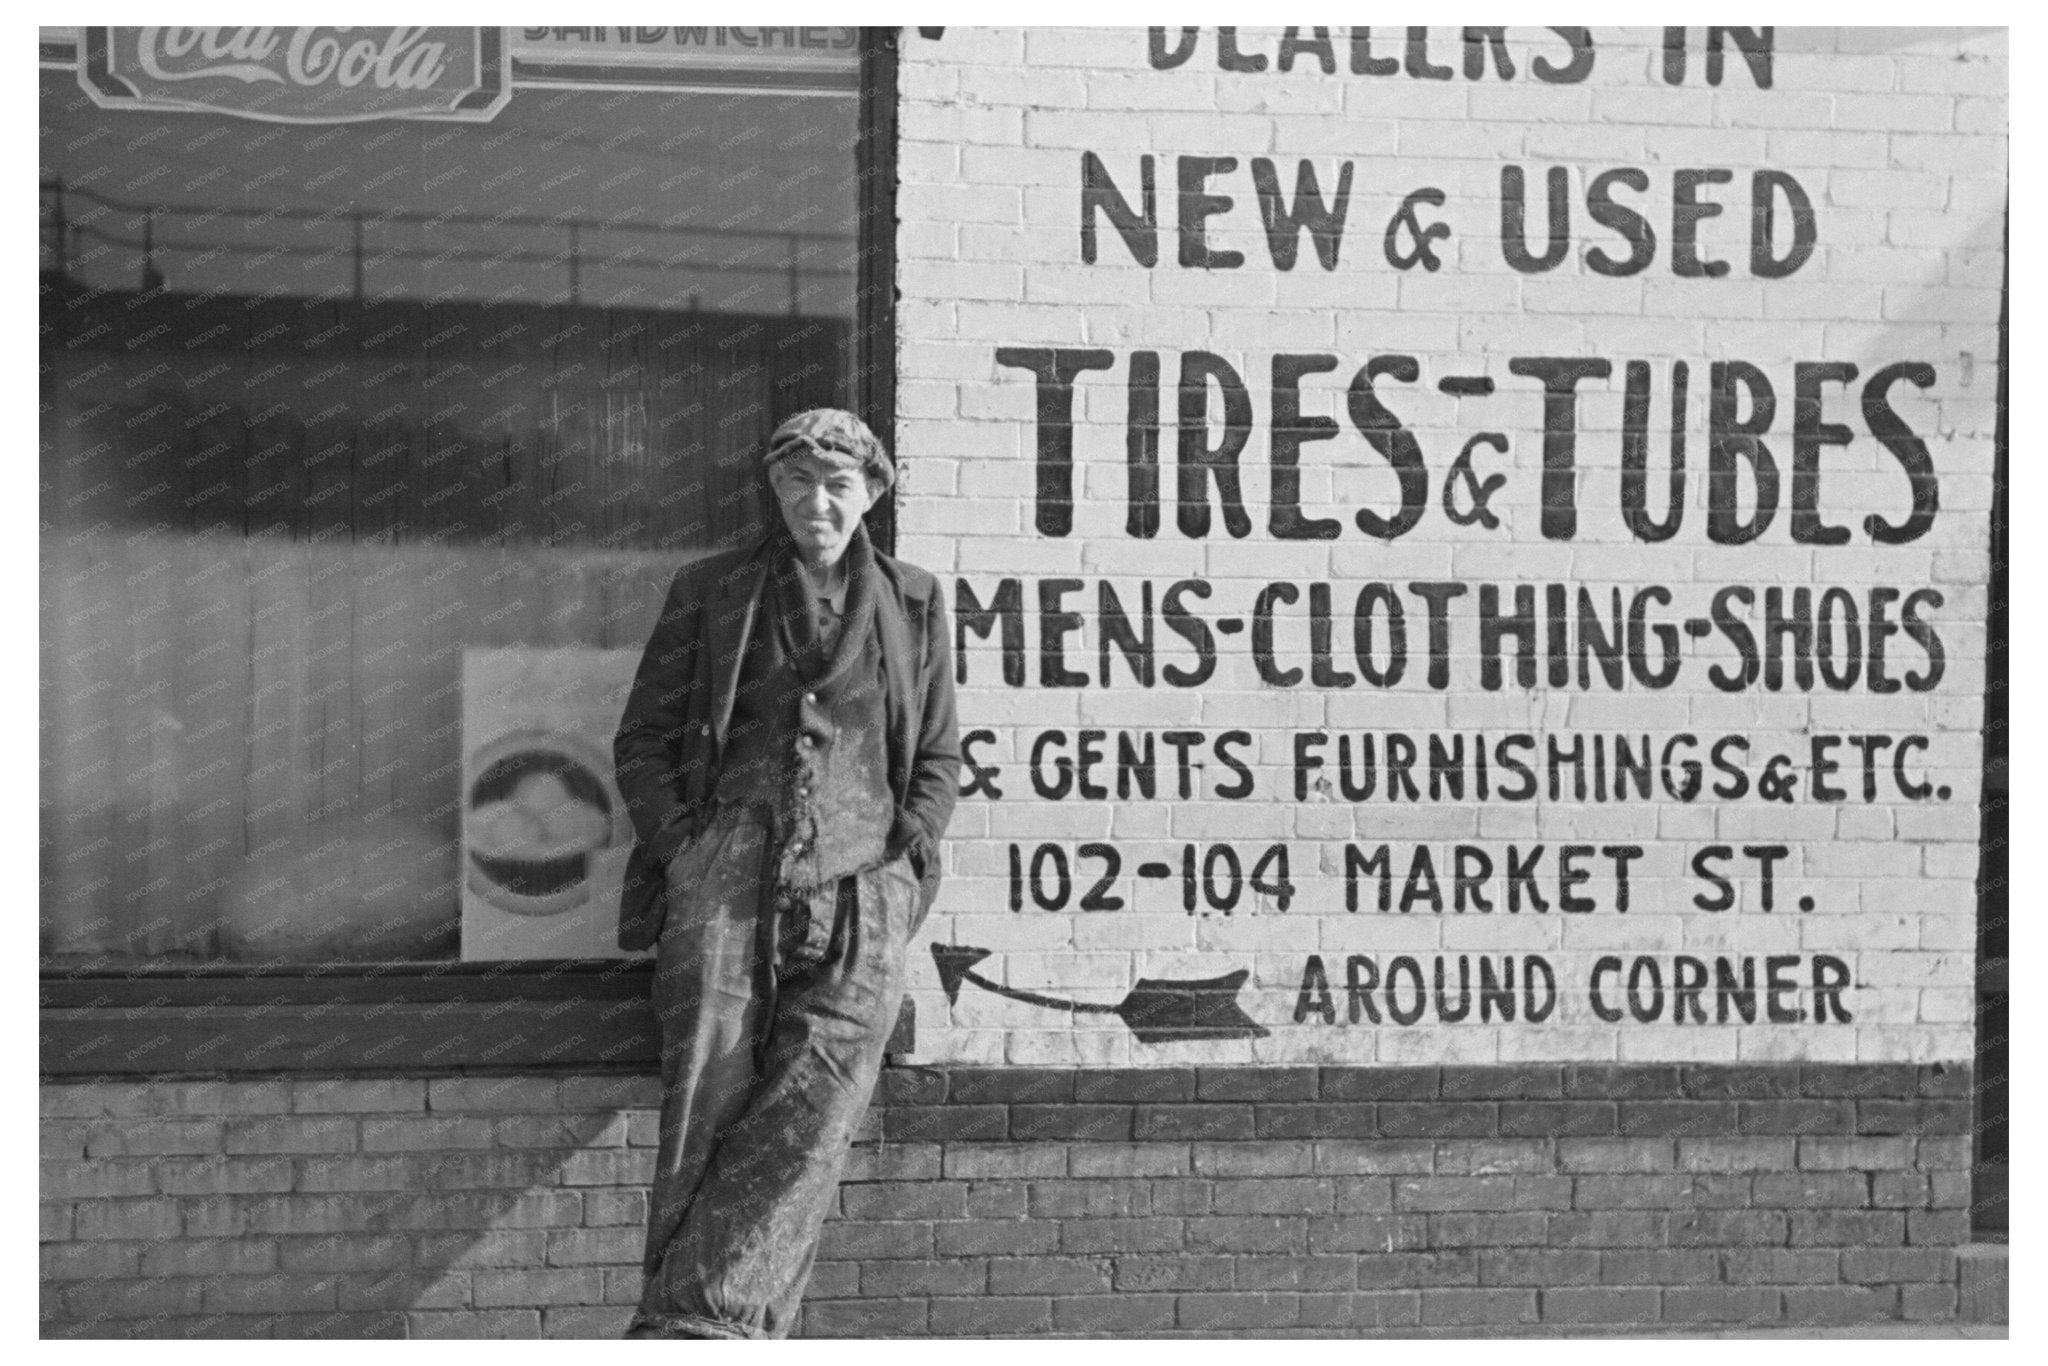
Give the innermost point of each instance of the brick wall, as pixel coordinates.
(458, 1207)
(1214, 1201)
(1028, 234)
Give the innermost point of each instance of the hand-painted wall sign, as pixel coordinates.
(1445, 503)
(1157, 1010)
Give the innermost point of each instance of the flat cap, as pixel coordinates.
(836, 436)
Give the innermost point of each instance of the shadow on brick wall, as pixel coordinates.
(463, 1207)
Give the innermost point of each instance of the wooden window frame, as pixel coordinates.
(208, 1020)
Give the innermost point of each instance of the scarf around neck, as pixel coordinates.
(794, 612)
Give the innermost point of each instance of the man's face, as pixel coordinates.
(821, 503)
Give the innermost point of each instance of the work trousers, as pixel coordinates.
(771, 1039)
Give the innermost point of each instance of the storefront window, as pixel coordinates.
(368, 449)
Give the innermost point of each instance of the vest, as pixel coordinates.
(814, 753)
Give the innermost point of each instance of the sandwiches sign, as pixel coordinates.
(299, 75)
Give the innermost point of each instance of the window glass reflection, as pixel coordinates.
(348, 431)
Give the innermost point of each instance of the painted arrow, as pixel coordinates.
(1156, 1010)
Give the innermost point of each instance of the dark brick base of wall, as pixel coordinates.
(1204, 1201)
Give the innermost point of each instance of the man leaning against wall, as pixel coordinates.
(790, 757)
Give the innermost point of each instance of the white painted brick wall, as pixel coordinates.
(1898, 136)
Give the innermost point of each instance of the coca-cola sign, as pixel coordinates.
(299, 75)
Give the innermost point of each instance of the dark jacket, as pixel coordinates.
(673, 731)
